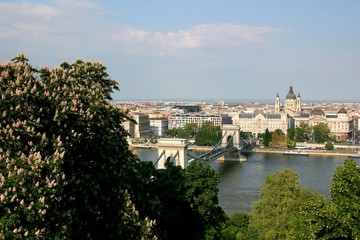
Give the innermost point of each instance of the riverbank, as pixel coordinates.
(313, 152)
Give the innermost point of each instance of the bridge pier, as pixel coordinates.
(235, 156)
(174, 150)
(230, 131)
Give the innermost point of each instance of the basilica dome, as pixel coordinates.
(291, 94)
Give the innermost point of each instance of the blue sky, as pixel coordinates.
(199, 49)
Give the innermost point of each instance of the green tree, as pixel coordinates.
(338, 219)
(208, 134)
(188, 203)
(173, 132)
(278, 138)
(329, 146)
(190, 130)
(244, 135)
(202, 194)
(30, 161)
(182, 133)
(290, 138)
(236, 227)
(267, 138)
(174, 217)
(65, 169)
(303, 132)
(321, 132)
(291, 134)
(276, 215)
(345, 194)
(291, 144)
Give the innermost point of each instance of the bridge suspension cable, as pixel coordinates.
(216, 152)
(170, 158)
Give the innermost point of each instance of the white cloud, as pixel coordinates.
(57, 22)
(80, 25)
(129, 35)
(24, 10)
(218, 35)
(205, 35)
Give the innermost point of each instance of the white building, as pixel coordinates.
(340, 123)
(256, 122)
(158, 127)
(180, 120)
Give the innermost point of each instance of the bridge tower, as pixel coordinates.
(231, 131)
(174, 150)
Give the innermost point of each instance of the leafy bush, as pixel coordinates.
(329, 146)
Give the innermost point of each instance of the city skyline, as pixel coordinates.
(215, 50)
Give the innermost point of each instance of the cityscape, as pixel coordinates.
(154, 118)
(173, 120)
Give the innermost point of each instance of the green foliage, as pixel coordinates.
(172, 213)
(329, 146)
(30, 159)
(153, 140)
(208, 134)
(136, 226)
(201, 192)
(303, 132)
(287, 211)
(291, 144)
(65, 169)
(321, 132)
(173, 132)
(182, 133)
(267, 138)
(278, 138)
(338, 219)
(277, 214)
(190, 130)
(189, 204)
(291, 134)
(236, 227)
(345, 194)
(244, 135)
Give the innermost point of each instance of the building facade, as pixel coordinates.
(340, 123)
(140, 129)
(256, 122)
(180, 120)
(158, 127)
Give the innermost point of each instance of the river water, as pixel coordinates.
(240, 182)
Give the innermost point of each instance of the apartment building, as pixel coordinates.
(180, 120)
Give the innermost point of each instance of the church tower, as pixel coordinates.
(277, 103)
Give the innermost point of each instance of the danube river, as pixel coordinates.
(240, 182)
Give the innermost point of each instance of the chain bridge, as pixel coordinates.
(176, 149)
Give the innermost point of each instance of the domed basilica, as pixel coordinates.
(292, 104)
(291, 115)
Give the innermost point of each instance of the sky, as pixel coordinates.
(196, 49)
